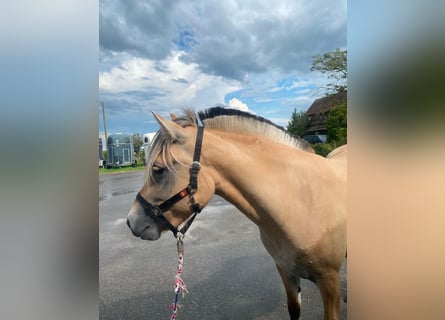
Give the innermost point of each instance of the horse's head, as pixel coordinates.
(167, 174)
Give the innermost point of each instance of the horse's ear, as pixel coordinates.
(175, 131)
(173, 116)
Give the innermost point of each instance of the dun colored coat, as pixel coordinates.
(295, 197)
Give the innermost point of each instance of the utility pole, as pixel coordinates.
(105, 123)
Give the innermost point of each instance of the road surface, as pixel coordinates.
(228, 273)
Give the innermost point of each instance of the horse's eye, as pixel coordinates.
(157, 170)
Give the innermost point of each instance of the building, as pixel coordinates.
(318, 112)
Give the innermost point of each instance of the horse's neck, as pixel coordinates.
(241, 167)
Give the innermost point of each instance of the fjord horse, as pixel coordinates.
(295, 197)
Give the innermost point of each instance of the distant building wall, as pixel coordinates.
(318, 112)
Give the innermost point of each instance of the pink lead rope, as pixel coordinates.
(179, 283)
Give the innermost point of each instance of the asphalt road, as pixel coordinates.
(228, 273)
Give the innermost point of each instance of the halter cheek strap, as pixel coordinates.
(157, 211)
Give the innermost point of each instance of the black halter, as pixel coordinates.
(157, 211)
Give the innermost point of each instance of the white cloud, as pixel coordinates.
(227, 38)
(169, 83)
(235, 103)
(299, 84)
(163, 56)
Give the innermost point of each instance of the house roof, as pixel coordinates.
(327, 103)
(317, 128)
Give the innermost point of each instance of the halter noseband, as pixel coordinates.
(157, 211)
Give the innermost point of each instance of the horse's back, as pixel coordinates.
(339, 153)
(338, 160)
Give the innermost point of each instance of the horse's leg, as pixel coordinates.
(329, 285)
(293, 292)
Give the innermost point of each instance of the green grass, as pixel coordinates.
(139, 167)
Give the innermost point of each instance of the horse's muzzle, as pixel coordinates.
(145, 232)
(132, 231)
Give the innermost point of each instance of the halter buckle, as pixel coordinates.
(195, 167)
(156, 210)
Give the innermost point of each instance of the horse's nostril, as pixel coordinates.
(132, 231)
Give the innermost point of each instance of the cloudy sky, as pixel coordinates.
(253, 55)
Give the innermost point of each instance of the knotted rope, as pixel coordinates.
(179, 283)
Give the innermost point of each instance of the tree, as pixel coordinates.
(337, 126)
(299, 123)
(137, 142)
(334, 64)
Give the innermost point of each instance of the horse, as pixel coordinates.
(295, 197)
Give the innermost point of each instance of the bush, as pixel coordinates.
(323, 149)
(337, 126)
